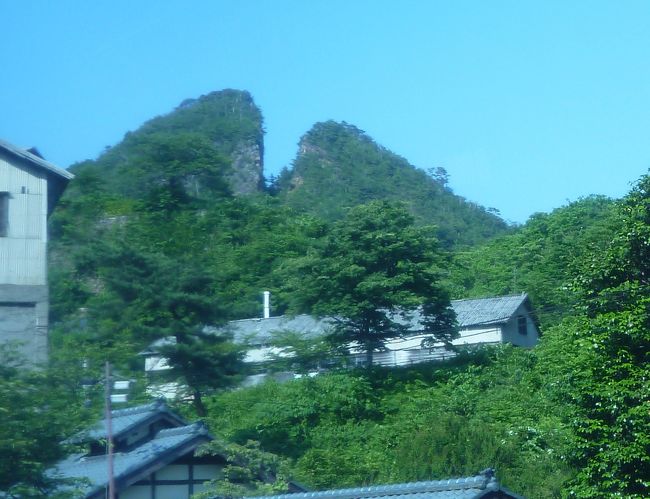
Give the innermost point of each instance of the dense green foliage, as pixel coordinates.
(372, 270)
(541, 258)
(38, 409)
(215, 127)
(614, 399)
(249, 471)
(428, 422)
(567, 419)
(339, 167)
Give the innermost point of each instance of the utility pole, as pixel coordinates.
(109, 433)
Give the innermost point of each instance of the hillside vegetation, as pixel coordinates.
(338, 166)
(172, 229)
(568, 418)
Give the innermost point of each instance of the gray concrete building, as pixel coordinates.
(29, 190)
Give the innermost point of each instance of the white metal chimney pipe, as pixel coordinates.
(267, 304)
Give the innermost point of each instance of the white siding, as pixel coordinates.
(172, 492)
(511, 330)
(23, 250)
(137, 492)
(172, 481)
(207, 472)
(22, 261)
(479, 336)
(174, 472)
(13, 178)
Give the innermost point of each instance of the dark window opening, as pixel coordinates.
(522, 325)
(4, 214)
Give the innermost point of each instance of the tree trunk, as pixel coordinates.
(201, 410)
(369, 356)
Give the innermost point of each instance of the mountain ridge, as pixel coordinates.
(339, 166)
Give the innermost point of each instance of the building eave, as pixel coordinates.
(35, 160)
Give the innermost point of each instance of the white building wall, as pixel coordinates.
(166, 483)
(23, 250)
(491, 334)
(511, 330)
(23, 259)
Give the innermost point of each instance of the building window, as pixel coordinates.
(4, 214)
(522, 325)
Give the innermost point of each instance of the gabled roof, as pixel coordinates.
(480, 486)
(124, 420)
(496, 310)
(129, 467)
(35, 160)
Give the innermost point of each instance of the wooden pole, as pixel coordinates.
(109, 434)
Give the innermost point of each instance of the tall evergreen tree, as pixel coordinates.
(373, 271)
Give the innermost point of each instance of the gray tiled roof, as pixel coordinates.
(261, 330)
(166, 446)
(34, 159)
(496, 310)
(457, 488)
(124, 420)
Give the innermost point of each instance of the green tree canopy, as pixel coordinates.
(613, 397)
(373, 270)
(147, 297)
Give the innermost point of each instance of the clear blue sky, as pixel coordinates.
(527, 104)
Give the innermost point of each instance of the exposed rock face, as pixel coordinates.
(228, 119)
(247, 175)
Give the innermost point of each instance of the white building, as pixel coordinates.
(29, 190)
(482, 321)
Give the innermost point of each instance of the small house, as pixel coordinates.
(154, 456)
(482, 321)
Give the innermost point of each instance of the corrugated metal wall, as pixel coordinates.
(23, 250)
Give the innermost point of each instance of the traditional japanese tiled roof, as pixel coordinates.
(480, 486)
(34, 159)
(124, 420)
(496, 310)
(129, 467)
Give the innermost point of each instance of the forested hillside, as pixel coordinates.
(338, 166)
(172, 229)
(568, 418)
(541, 258)
(226, 126)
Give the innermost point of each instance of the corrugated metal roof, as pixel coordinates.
(35, 160)
(124, 420)
(496, 310)
(163, 448)
(259, 331)
(469, 312)
(457, 488)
